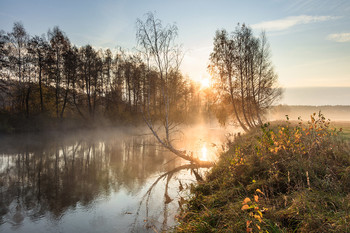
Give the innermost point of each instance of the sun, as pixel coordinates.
(205, 82)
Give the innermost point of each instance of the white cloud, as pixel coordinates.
(339, 37)
(283, 24)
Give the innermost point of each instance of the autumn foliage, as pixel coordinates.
(287, 177)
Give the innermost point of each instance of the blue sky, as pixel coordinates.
(309, 39)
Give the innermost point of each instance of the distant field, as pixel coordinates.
(345, 125)
(339, 115)
(334, 113)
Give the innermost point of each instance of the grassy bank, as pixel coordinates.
(280, 178)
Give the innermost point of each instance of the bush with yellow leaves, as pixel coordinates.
(292, 177)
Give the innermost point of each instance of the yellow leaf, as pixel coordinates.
(248, 223)
(257, 217)
(259, 212)
(256, 198)
(258, 226)
(259, 191)
(246, 200)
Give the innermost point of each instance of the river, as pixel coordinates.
(114, 180)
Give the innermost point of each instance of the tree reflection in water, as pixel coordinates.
(46, 177)
(167, 199)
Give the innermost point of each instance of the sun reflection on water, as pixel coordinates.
(204, 156)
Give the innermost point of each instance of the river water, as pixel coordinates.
(99, 181)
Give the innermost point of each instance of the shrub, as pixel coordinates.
(280, 178)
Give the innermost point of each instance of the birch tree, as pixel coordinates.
(157, 44)
(241, 64)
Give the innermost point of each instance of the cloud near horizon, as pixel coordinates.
(288, 22)
(339, 37)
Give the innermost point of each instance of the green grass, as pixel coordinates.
(296, 176)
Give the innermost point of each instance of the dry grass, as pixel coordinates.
(281, 178)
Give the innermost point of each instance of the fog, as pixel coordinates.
(334, 113)
(98, 180)
(316, 96)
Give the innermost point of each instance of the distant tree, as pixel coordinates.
(241, 65)
(107, 76)
(71, 63)
(127, 67)
(116, 84)
(4, 65)
(59, 46)
(87, 71)
(18, 39)
(73, 68)
(4, 62)
(91, 77)
(38, 48)
(18, 42)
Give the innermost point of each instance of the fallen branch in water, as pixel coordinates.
(167, 144)
(167, 198)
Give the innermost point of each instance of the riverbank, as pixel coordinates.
(280, 178)
(12, 124)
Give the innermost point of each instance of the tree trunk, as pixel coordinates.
(27, 101)
(235, 107)
(40, 88)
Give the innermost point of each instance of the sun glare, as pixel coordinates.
(205, 82)
(204, 156)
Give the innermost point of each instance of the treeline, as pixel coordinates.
(48, 76)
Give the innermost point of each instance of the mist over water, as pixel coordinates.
(94, 181)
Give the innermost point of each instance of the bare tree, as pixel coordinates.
(38, 48)
(157, 44)
(4, 55)
(59, 44)
(222, 64)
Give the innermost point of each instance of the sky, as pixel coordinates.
(309, 39)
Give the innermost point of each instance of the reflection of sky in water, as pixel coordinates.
(90, 182)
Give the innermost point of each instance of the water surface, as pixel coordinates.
(100, 181)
